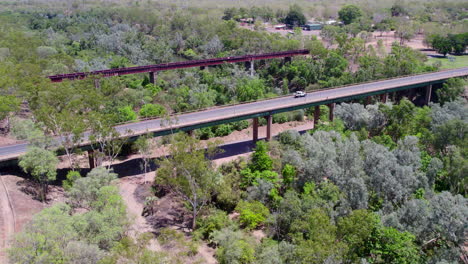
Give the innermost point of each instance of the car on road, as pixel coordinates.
(300, 94)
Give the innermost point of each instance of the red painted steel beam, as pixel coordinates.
(177, 65)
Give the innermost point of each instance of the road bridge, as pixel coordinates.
(266, 108)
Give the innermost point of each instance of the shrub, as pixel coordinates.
(252, 214)
(72, 176)
(298, 115)
(233, 246)
(214, 220)
(222, 130)
(126, 114)
(152, 110)
(205, 133)
(280, 118)
(240, 125)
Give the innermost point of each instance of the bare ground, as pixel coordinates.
(18, 207)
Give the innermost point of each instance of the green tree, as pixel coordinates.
(451, 90)
(42, 165)
(349, 13)
(125, 114)
(261, 161)
(188, 173)
(8, 105)
(441, 44)
(295, 17)
(152, 110)
(392, 246)
(252, 214)
(356, 230)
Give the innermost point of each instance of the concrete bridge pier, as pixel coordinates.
(97, 83)
(287, 60)
(92, 161)
(151, 77)
(202, 68)
(255, 129)
(384, 97)
(249, 65)
(316, 115)
(427, 99)
(190, 133)
(331, 108)
(269, 119)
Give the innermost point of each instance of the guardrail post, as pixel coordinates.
(428, 94)
(92, 161)
(269, 124)
(316, 114)
(151, 78)
(331, 108)
(384, 97)
(255, 129)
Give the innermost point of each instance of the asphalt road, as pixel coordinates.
(225, 112)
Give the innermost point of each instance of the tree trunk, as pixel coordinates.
(194, 222)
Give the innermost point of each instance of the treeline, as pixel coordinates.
(451, 43)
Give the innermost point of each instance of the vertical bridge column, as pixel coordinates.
(316, 115)
(92, 161)
(427, 100)
(249, 65)
(255, 129)
(269, 123)
(331, 108)
(287, 59)
(384, 97)
(97, 83)
(151, 78)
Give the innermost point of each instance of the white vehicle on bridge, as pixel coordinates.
(300, 94)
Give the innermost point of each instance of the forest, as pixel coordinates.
(381, 183)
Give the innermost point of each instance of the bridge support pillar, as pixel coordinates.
(331, 108)
(384, 97)
(202, 68)
(151, 77)
(255, 129)
(190, 133)
(97, 83)
(92, 161)
(269, 124)
(249, 66)
(316, 115)
(368, 100)
(287, 60)
(427, 99)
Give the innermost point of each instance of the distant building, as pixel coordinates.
(312, 26)
(280, 27)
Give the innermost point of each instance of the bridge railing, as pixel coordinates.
(277, 97)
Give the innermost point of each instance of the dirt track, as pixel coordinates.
(7, 220)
